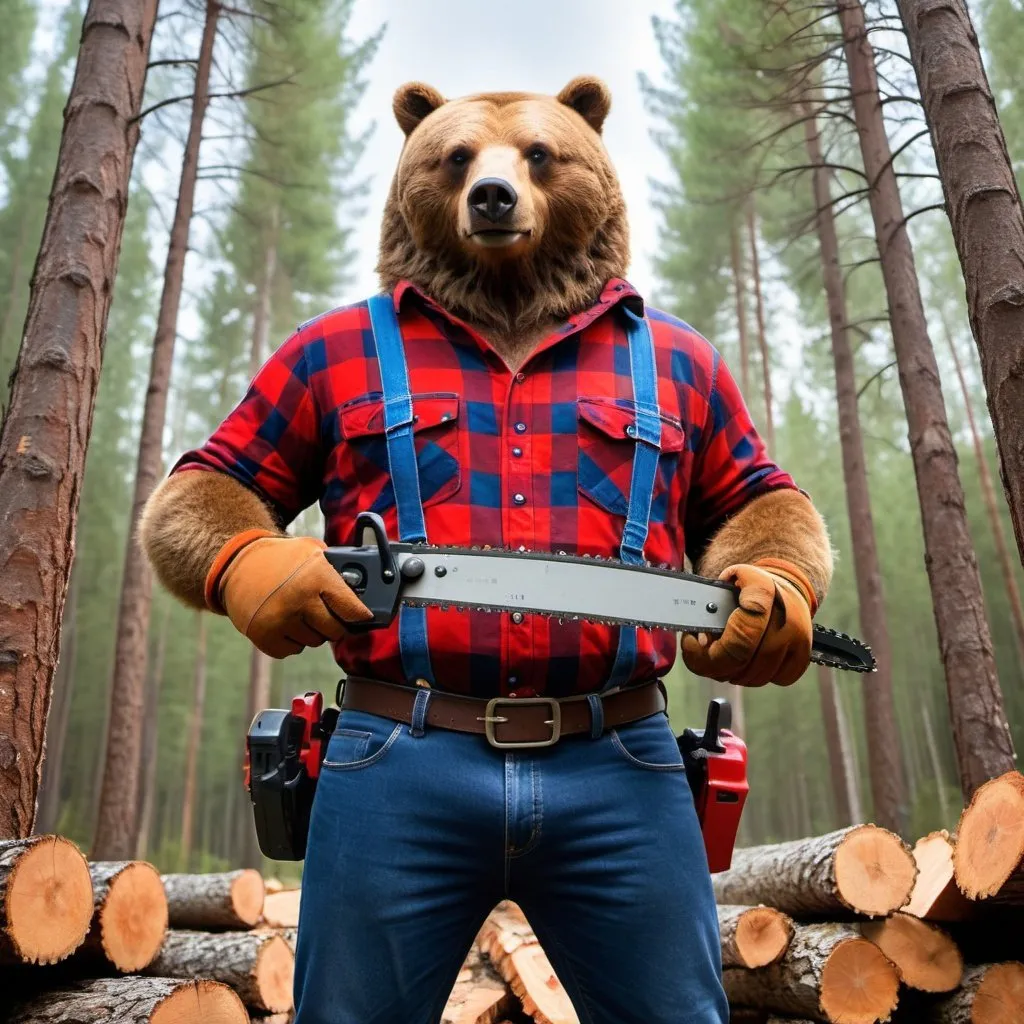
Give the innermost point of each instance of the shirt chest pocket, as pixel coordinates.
(607, 445)
(437, 438)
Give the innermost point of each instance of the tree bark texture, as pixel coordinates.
(988, 496)
(988, 994)
(863, 869)
(45, 432)
(981, 733)
(829, 973)
(984, 207)
(259, 966)
(118, 817)
(188, 802)
(134, 1001)
(753, 936)
(223, 902)
(762, 338)
(888, 788)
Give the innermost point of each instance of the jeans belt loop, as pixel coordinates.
(417, 727)
(596, 715)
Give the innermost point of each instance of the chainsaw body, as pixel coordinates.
(284, 751)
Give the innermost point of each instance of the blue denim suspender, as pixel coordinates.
(405, 479)
(646, 431)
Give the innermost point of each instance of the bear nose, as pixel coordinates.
(492, 198)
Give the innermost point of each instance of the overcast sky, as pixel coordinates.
(465, 46)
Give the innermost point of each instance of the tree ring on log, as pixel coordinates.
(211, 1003)
(858, 984)
(275, 974)
(1000, 996)
(874, 871)
(48, 903)
(762, 936)
(133, 918)
(990, 837)
(247, 895)
(925, 956)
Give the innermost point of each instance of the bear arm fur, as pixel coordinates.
(188, 519)
(780, 524)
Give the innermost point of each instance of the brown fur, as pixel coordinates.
(780, 524)
(570, 209)
(188, 519)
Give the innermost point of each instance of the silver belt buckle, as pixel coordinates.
(490, 720)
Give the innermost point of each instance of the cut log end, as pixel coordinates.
(874, 871)
(200, 1002)
(48, 903)
(1000, 996)
(858, 984)
(133, 918)
(281, 909)
(275, 972)
(247, 893)
(925, 956)
(990, 837)
(763, 935)
(936, 896)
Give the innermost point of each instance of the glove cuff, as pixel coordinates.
(792, 574)
(226, 555)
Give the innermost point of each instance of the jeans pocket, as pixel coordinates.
(649, 744)
(360, 740)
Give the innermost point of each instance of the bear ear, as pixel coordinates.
(413, 102)
(590, 98)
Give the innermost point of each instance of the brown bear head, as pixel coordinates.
(505, 208)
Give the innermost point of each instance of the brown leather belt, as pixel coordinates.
(509, 723)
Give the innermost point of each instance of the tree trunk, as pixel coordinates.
(837, 760)
(988, 494)
(45, 899)
(118, 819)
(753, 936)
(982, 735)
(60, 715)
(888, 789)
(828, 973)
(46, 429)
(134, 1001)
(259, 966)
(762, 339)
(984, 206)
(990, 994)
(195, 732)
(226, 902)
(925, 956)
(151, 738)
(864, 869)
(130, 915)
(741, 309)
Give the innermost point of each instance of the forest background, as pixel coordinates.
(297, 149)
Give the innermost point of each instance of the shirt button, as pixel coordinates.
(512, 680)
(517, 618)
(519, 499)
(520, 377)
(517, 452)
(520, 428)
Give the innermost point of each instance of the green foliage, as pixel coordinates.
(15, 43)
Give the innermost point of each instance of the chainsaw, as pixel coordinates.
(284, 749)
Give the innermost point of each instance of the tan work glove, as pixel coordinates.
(281, 592)
(767, 639)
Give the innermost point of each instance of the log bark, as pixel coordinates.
(227, 902)
(130, 914)
(45, 899)
(988, 860)
(864, 869)
(989, 994)
(885, 767)
(829, 973)
(753, 936)
(936, 896)
(134, 1001)
(762, 339)
(984, 207)
(118, 816)
(195, 733)
(479, 995)
(260, 967)
(925, 956)
(46, 430)
(512, 947)
(982, 735)
(988, 495)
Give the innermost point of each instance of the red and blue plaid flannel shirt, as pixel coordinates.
(538, 458)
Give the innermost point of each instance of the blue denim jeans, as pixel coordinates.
(416, 835)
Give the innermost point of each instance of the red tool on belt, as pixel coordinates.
(284, 750)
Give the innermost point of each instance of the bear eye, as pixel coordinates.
(459, 157)
(537, 155)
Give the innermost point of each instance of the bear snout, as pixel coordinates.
(492, 199)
